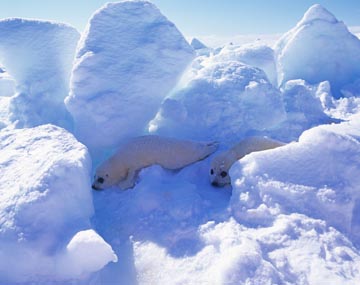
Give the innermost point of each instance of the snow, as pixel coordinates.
(294, 250)
(260, 56)
(197, 44)
(328, 51)
(315, 176)
(45, 200)
(38, 56)
(219, 89)
(291, 214)
(128, 59)
(7, 84)
(78, 262)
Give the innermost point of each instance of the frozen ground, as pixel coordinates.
(291, 214)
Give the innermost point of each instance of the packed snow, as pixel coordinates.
(290, 216)
(220, 90)
(45, 208)
(127, 60)
(319, 48)
(37, 56)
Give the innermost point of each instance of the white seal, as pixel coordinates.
(122, 168)
(221, 163)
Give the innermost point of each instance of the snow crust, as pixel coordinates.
(45, 200)
(7, 84)
(220, 89)
(128, 59)
(38, 56)
(319, 48)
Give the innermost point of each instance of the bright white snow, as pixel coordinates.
(128, 59)
(45, 199)
(38, 55)
(223, 99)
(291, 215)
(319, 48)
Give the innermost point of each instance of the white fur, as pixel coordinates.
(220, 165)
(122, 168)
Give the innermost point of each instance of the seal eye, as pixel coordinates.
(100, 180)
(212, 171)
(223, 174)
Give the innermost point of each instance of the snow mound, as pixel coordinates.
(86, 252)
(260, 56)
(38, 55)
(305, 107)
(7, 84)
(222, 100)
(319, 48)
(293, 250)
(45, 200)
(128, 59)
(315, 176)
(197, 44)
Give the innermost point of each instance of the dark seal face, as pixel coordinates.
(102, 179)
(219, 177)
(98, 182)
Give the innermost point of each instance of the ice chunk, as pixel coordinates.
(38, 55)
(305, 107)
(257, 55)
(222, 100)
(128, 59)
(85, 253)
(315, 176)
(319, 48)
(45, 199)
(197, 44)
(293, 250)
(7, 84)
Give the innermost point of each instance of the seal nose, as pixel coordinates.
(214, 183)
(95, 188)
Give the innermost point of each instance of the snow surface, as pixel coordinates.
(7, 84)
(38, 56)
(45, 200)
(127, 60)
(291, 215)
(220, 89)
(319, 48)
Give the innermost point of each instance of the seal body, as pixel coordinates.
(122, 168)
(221, 163)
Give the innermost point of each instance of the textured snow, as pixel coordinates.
(7, 84)
(319, 48)
(223, 99)
(128, 59)
(293, 250)
(45, 200)
(260, 56)
(315, 176)
(38, 56)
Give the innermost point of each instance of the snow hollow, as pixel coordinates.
(68, 100)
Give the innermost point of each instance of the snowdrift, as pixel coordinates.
(224, 99)
(319, 48)
(38, 55)
(45, 207)
(128, 59)
(293, 250)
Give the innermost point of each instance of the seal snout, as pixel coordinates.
(95, 187)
